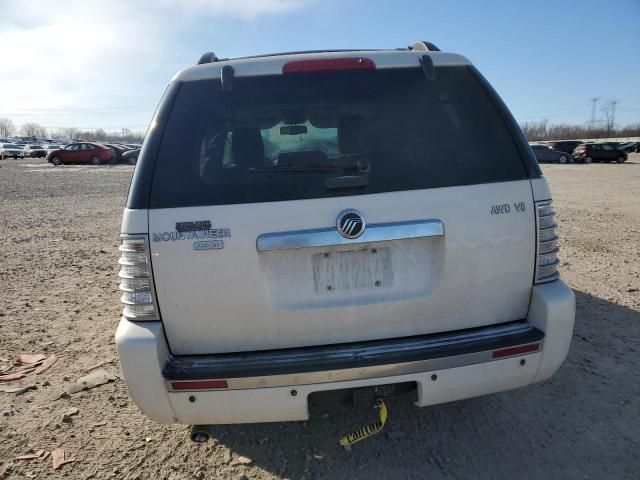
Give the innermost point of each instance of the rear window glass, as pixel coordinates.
(302, 136)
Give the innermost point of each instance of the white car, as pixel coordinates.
(52, 148)
(11, 150)
(34, 151)
(312, 222)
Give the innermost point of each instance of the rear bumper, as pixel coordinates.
(261, 385)
(351, 361)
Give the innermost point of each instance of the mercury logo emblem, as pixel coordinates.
(350, 223)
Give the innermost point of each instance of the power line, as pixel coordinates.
(553, 110)
(594, 101)
(48, 127)
(613, 112)
(44, 111)
(77, 114)
(562, 114)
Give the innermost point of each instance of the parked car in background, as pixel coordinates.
(567, 146)
(32, 151)
(119, 150)
(630, 147)
(131, 157)
(51, 147)
(11, 150)
(544, 153)
(598, 152)
(84, 152)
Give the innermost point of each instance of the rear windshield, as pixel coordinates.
(302, 136)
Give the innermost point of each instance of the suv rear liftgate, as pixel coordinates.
(334, 220)
(248, 185)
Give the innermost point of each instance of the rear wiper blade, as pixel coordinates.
(346, 181)
(328, 168)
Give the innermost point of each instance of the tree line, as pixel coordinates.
(542, 130)
(534, 131)
(35, 130)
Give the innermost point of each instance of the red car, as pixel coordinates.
(84, 152)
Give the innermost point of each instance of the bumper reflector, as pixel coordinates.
(199, 385)
(520, 349)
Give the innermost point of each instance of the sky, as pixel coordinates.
(105, 63)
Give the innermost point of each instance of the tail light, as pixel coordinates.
(547, 247)
(329, 65)
(136, 282)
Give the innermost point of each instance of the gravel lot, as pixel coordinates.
(59, 241)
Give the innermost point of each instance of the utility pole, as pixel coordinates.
(613, 113)
(594, 102)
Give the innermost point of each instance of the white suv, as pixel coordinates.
(317, 221)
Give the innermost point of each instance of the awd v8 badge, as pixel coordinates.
(208, 245)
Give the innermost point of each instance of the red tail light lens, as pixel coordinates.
(329, 65)
(519, 350)
(199, 385)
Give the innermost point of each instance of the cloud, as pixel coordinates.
(246, 9)
(91, 62)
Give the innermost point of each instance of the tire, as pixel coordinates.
(587, 160)
(56, 161)
(95, 160)
(620, 159)
(563, 159)
(132, 160)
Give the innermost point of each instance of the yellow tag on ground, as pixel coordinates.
(368, 430)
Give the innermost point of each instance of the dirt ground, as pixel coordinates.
(58, 254)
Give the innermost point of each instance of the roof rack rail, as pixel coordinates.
(423, 46)
(420, 46)
(207, 57)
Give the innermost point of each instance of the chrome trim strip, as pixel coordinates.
(549, 277)
(555, 225)
(555, 250)
(544, 246)
(326, 237)
(351, 374)
(547, 215)
(555, 238)
(553, 264)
